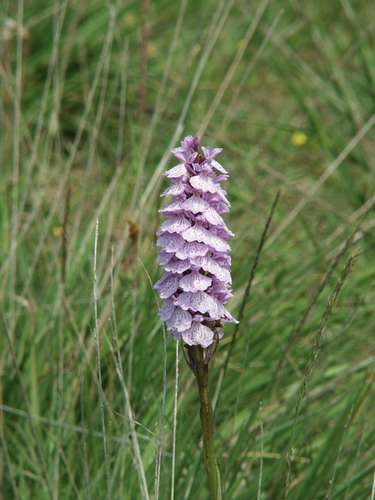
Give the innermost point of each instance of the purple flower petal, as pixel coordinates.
(167, 285)
(201, 302)
(220, 207)
(176, 224)
(175, 189)
(170, 242)
(210, 153)
(177, 266)
(222, 232)
(220, 290)
(195, 204)
(190, 250)
(173, 208)
(221, 194)
(209, 265)
(179, 154)
(213, 217)
(184, 154)
(222, 177)
(180, 320)
(166, 310)
(204, 183)
(176, 172)
(194, 282)
(202, 235)
(164, 258)
(187, 337)
(218, 167)
(190, 143)
(198, 334)
(199, 317)
(175, 334)
(228, 318)
(223, 259)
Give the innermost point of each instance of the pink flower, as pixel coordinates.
(194, 249)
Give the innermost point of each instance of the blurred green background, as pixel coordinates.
(94, 94)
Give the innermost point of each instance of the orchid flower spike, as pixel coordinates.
(194, 249)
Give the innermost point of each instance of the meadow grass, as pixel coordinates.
(93, 404)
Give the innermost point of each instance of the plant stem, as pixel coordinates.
(200, 368)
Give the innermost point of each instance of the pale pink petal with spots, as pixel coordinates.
(180, 320)
(201, 302)
(176, 224)
(176, 172)
(198, 334)
(190, 250)
(166, 310)
(210, 153)
(177, 266)
(172, 208)
(170, 242)
(194, 282)
(179, 154)
(204, 183)
(213, 217)
(167, 285)
(195, 204)
(200, 234)
(164, 258)
(209, 265)
(218, 167)
(175, 189)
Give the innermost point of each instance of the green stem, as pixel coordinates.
(207, 422)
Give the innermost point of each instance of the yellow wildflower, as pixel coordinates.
(298, 138)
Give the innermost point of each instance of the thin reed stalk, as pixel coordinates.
(144, 54)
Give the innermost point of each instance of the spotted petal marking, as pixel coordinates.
(195, 282)
(167, 285)
(166, 310)
(218, 167)
(180, 320)
(213, 217)
(195, 204)
(176, 224)
(198, 334)
(175, 189)
(209, 265)
(176, 172)
(210, 153)
(172, 208)
(177, 266)
(164, 258)
(201, 302)
(200, 234)
(170, 242)
(204, 183)
(191, 250)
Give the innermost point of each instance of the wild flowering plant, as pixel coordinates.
(194, 248)
(194, 254)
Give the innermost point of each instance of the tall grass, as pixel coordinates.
(91, 403)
